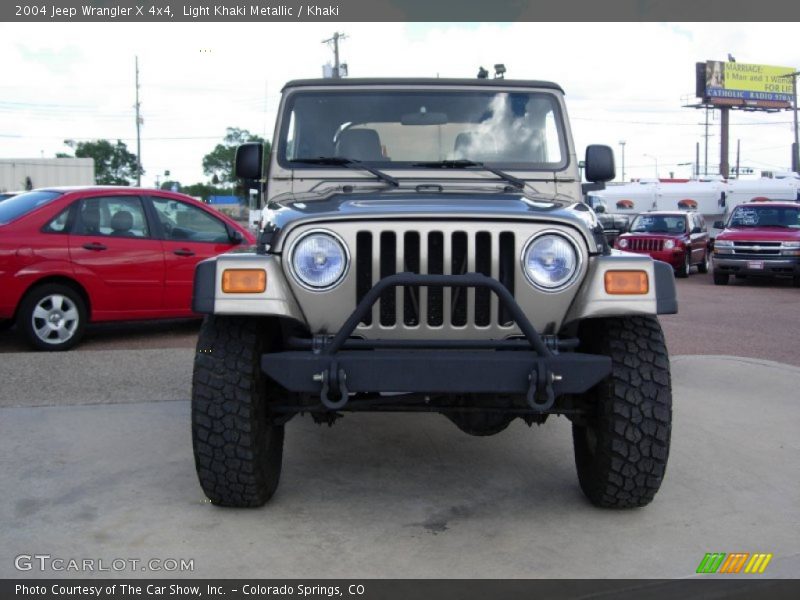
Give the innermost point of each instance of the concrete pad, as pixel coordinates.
(410, 495)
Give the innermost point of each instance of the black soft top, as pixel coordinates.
(512, 83)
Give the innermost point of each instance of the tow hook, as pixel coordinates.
(334, 382)
(541, 395)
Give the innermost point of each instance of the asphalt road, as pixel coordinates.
(751, 318)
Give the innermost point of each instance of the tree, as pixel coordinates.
(114, 164)
(219, 163)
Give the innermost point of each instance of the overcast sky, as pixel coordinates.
(625, 81)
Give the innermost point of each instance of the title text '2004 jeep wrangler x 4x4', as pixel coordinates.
(425, 248)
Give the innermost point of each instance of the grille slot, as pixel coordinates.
(383, 253)
(646, 244)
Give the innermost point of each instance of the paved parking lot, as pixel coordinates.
(404, 495)
(410, 495)
(747, 318)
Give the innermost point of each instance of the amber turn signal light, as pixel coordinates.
(244, 281)
(626, 282)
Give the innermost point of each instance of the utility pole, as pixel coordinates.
(697, 160)
(738, 155)
(796, 146)
(705, 162)
(335, 41)
(622, 144)
(138, 132)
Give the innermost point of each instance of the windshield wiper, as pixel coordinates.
(466, 164)
(348, 162)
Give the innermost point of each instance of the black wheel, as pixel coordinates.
(237, 449)
(703, 266)
(683, 270)
(721, 278)
(621, 449)
(52, 316)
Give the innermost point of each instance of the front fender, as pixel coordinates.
(593, 301)
(276, 301)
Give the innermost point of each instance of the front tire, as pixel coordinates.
(686, 267)
(52, 317)
(238, 451)
(621, 449)
(721, 278)
(703, 266)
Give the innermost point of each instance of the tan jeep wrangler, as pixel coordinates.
(425, 248)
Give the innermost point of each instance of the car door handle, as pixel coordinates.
(95, 246)
(184, 252)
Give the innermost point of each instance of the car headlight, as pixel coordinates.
(550, 261)
(319, 260)
(622, 243)
(669, 244)
(723, 244)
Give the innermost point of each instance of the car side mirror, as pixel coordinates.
(249, 160)
(696, 230)
(719, 225)
(235, 236)
(599, 163)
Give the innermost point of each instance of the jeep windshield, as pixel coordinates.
(399, 129)
(765, 216)
(659, 224)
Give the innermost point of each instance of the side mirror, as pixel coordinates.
(719, 225)
(696, 230)
(235, 236)
(599, 163)
(249, 159)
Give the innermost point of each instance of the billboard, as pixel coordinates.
(743, 84)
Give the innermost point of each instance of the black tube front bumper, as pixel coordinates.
(339, 367)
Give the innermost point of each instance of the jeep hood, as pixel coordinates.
(290, 212)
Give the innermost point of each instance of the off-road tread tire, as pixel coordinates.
(237, 450)
(633, 418)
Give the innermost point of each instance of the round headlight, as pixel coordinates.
(550, 261)
(669, 244)
(622, 243)
(319, 260)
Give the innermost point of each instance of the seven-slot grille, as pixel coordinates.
(379, 254)
(645, 244)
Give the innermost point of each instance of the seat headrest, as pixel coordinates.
(122, 221)
(91, 217)
(359, 144)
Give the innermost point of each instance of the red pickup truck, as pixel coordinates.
(759, 239)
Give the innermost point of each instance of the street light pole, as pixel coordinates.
(656, 161)
(796, 147)
(622, 144)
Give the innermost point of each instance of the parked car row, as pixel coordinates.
(69, 256)
(759, 239)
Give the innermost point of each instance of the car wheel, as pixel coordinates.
(238, 450)
(683, 270)
(52, 317)
(703, 266)
(721, 278)
(621, 449)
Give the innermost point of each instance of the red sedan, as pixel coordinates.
(69, 256)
